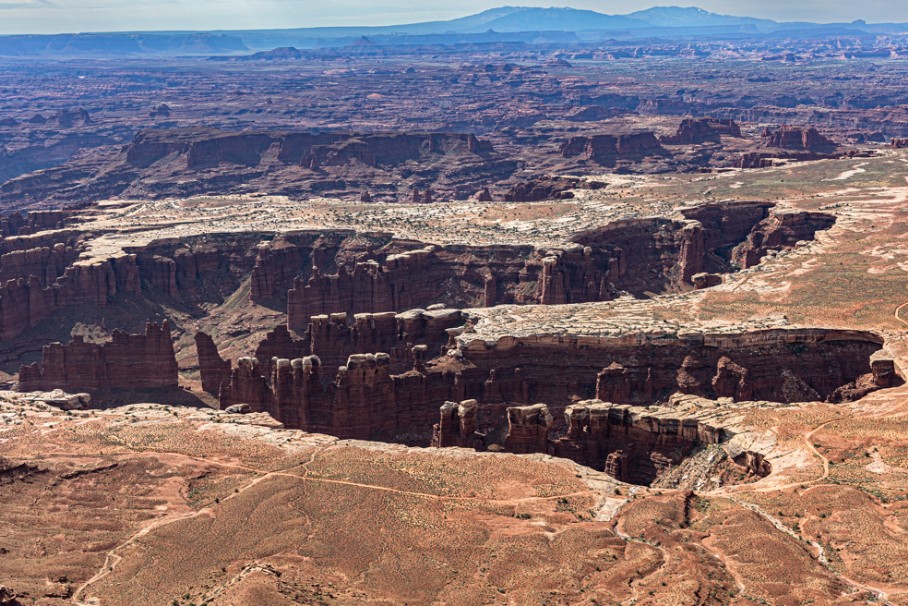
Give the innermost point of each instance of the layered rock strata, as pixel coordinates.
(367, 399)
(638, 256)
(214, 370)
(144, 361)
(458, 426)
(780, 231)
(323, 273)
(26, 301)
(609, 149)
(693, 131)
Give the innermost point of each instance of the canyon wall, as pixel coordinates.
(636, 256)
(26, 301)
(367, 399)
(127, 362)
(323, 273)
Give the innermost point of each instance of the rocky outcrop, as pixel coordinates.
(35, 221)
(243, 149)
(883, 375)
(25, 302)
(732, 381)
(609, 149)
(643, 255)
(792, 143)
(361, 399)
(248, 386)
(196, 270)
(632, 444)
(458, 426)
(705, 280)
(773, 365)
(528, 429)
(214, 370)
(539, 190)
(277, 263)
(411, 280)
(365, 398)
(798, 139)
(322, 273)
(695, 131)
(783, 229)
(46, 263)
(636, 256)
(334, 338)
(127, 362)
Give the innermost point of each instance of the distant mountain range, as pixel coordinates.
(504, 24)
(521, 19)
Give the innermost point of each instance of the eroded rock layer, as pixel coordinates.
(324, 272)
(144, 361)
(367, 399)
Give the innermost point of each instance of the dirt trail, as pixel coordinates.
(112, 559)
(898, 312)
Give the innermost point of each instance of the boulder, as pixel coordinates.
(238, 409)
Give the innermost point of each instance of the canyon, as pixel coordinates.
(380, 332)
(453, 313)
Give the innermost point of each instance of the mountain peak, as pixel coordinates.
(691, 16)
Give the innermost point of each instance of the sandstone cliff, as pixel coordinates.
(145, 361)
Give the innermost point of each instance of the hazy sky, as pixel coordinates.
(46, 16)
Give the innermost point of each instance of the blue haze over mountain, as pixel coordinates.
(504, 24)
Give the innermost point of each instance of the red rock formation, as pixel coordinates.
(244, 149)
(366, 400)
(641, 369)
(538, 190)
(280, 343)
(26, 302)
(458, 426)
(205, 149)
(796, 138)
(528, 429)
(334, 339)
(614, 384)
(732, 381)
(484, 195)
(637, 256)
(632, 444)
(779, 231)
(404, 281)
(47, 263)
(705, 280)
(126, 362)
(607, 150)
(299, 397)
(883, 375)
(247, 386)
(213, 369)
(694, 131)
(277, 264)
(364, 403)
(33, 222)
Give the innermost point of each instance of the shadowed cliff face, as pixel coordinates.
(378, 397)
(408, 386)
(321, 273)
